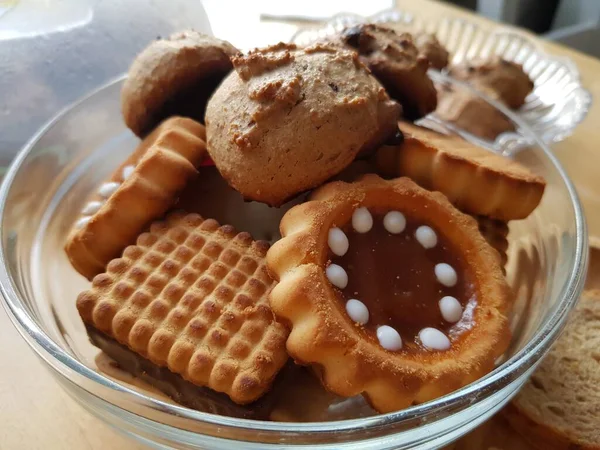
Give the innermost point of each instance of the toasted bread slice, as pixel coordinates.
(559, 407)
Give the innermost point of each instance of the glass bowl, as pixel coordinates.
(47, 185)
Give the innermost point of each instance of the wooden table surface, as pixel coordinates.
(36, 413)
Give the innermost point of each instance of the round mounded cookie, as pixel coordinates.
(174, 77)
(390, 292)
(287, 119)
(506, 78)
(471, 112)
(398, 65)
(430, 47)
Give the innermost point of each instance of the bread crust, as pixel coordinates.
(477, 181)
(161, 166)
(322, 334)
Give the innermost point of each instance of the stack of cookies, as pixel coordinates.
(388, 285)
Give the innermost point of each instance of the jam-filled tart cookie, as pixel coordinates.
(390, 292)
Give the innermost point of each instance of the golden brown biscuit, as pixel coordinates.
(174, 77)
(472, 113)
(142, 189)
(506, 78)
(476, 180)
(396, 62)
(192, 296)
(287, 119)
(390, 292)
(432, 49)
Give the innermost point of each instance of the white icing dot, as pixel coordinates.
(127, 171)
(426, 236)
(338, 242)
(357, 311)
(91, 208)
(337, 275)
(445, 274)
(389, 338)
(108, 189)
(450, 309)
(394, 222)
(362, 220)
(82, 222)
(434, 339)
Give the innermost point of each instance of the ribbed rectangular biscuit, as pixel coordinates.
(476, 180)
(193, 296)
(159, 169)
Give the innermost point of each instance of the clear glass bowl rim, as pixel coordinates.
(65, 364)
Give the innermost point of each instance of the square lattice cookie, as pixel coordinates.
(193, 296)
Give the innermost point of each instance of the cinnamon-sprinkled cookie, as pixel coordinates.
(287, 119)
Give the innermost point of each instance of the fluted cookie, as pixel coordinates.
(192, 296)
(390, 291)
(174, 77)
(396, 62)
(476, 180)
(141, 190)
(287, 119)
(506, 78)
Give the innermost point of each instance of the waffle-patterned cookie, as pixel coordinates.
(475, 180)
(193, 296)
(141, 190)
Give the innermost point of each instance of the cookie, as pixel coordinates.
(396, 62)
(193, 296)
(476, 180)
(174, 77)
(123, 364)
(472, 113)
(287, 119)
(432, 49)
(390, 292)
(142, 189)
(506, 78)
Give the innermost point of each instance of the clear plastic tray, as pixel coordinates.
(558, 102)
